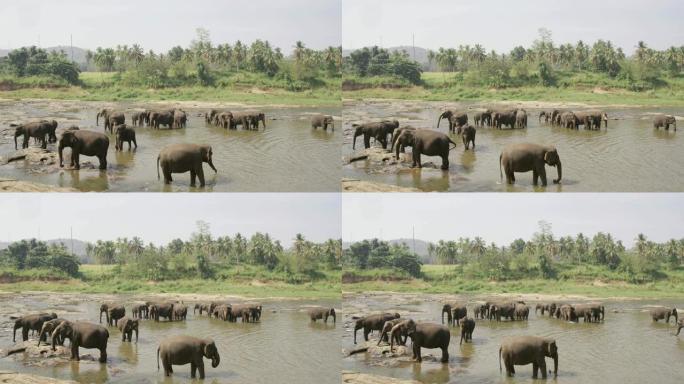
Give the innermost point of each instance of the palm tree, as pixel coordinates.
(299, 51)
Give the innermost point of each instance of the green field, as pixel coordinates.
(584, 87)
(449, 279)
(245, 281)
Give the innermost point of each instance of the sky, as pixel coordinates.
(504, 24)
(162, 24)
(160, 218)
(502, 218)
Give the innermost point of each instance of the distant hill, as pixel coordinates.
(79, 53)
(421, 248)
(79, 247)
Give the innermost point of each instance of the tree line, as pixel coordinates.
(538, 64)
(33, 254)
(542, 256)
(33, 61)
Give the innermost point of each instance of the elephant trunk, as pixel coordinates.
(60, 156)
(559, 168)
(674, 313)
(60, 149)
(136, 334)
(439, 119)
(215, 360)
(499, 359)
(354, 142)
(97, 119)
(555, 365)
(212, 165)
(679, 328)
(157, 358)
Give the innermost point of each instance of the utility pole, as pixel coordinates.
(413, 39)
(71, 231)
(414, 239)
(71, 42)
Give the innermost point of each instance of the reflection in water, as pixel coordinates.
(287, 156)
(606, 160)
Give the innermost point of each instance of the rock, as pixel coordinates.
(353, 185)
(364, 378)
(13, 185)
(34, 156)
(9, 377)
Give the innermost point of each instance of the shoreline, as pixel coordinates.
(531, 297)
(185, 297)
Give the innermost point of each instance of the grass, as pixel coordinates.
(240, 87)
(590, 88)
(245, 281)
(450, 279)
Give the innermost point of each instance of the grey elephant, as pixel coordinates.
(180, 312)
(525, 157)
(137, 119)
(373, 323)
(522, 312)
(396, 133)
(467, 328)
(158, 310)
(468, 135)
(569, 119)
(112, 119)
(180, 118)
(83, 142)
(181, 158)
(566, 312)
(114, 313)
(32, 322)
(83, 335)
(555, 116)
(159, 118)
(181, 350)
(425, 335)
(322, 314)
(127, 325)
(664, 121)
(386, 332)
(40, 130)
(523, 350)
(254, 118)
(104, 113)
(595, 118)
(322, 121)
(663, 313)
(47, 329)
(124, 134)
(456, 119)
(225, 120)
(209, 116)
(140, 311)
(454, 310)
(503, 118)
(377, 130)
(425, 142)
(521, 118)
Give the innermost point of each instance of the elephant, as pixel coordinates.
(221, 311)
(378, 130)
(225, 120)
(395, 136)
(591, 312)
(664, 121)
(504, 118)
(486, 118)
(386, 332)
(456, 119)
(127, 325)
(546, 115)
(104, 307)
(114, 119)
(323, 121)
(31, 323)
(202, 308)
(47, 329)
(503, 310)
(425, 142)
(114, 313)
(468, 136)
(42, 131)
(555, 116)
(104, 112)
(467, 328)
(240, 118)
(545, 307)
(680, 325)
(522, 312)
(521, 118)
(570, 120)
(140, 311)
(477, 118)
(158, 310)
(594, 119)
(523, 350)
(323, 314)
(567, 313)
(660, 313)
(254, 118)
(425, 335)
(247, 312)
(184, 157)
(373, 323)
(480, 311)
(454, 311)
(137, 119)
(124, 134)
(180, 119)
(180, 312)
(209, 116)
(525, 157)
(83, 142)
(181, 350)
(158, 118)
(83, 334)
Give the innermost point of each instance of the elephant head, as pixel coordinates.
(445, 115)
(551, 350)
(18, 131)
(332, 313)
(405, 139)
(104, 307)
(104, 112)
(329, 120)
(131, 325)
(206, 152)
(64, 331)
(69, 139)
(261, 117)
(406, 327)
(674, 313)
(211, 352)
(551, 158)
(669, 119)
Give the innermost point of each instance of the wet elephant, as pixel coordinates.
(39, 130)
(322, 121)
(664, 121)
(124, 134)
(454, 310)
(525, 157)
(663, 313)
(501, 119)
(114, 313)
(377, 130)
(159, 118)
(321, 313)
(180, 312)
(373, 323)
(395, 135)
(456, 119)
(158, 310)
(570, 120)
(83, 142)
(114, 119)
(426, 335)
(181, 350)
(521, 118)
(523, 350)
(468, 135)
(386, 332)
(425, 142)
(47, 329)
(127, 325)
(181, 158)
(680, 325)
(180, 119)
(467, 328)
(32, 322)
(83, 335)
(254, 118)
(140, 311)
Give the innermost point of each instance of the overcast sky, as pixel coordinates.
(162, 217)
(162, 24)
(502, 218)
(504, 24)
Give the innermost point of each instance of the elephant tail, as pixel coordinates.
(452, 142)
(499, 359)
(157, 358)
(157, 167)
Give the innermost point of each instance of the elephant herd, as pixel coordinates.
(590, 119)
(518, 350)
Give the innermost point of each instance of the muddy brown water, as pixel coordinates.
(287, 156)
(630, 156)
(627, 348)
(283, 348)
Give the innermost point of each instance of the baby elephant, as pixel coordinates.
(181, 350)
(523, 350)
(322, 121)
(181, 158)
(467, 328)
(127, 325)
(322, 313)
(468, 135)
(124, 134)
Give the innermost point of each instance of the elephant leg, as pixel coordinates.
(535, 370)
(24, 333)
(510, 368)
(535, 177)
(74, 352)
(200, 174)
(445, 354)
(542, 175)
(167, 175)
(103, 355)
(542, 367)
(75, 159)
(167, 367)
(366, 331)
(419, 358)
(510, 175)
(200, 367)
(193, 369)
(366, 140)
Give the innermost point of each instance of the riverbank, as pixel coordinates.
(9, 377)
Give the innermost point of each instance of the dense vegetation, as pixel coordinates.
(202, 64)
(201, 257)
(542, 257)
(544, 64)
